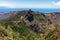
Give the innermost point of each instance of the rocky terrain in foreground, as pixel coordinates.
(30, 25)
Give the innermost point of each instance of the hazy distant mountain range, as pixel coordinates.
(44, 10)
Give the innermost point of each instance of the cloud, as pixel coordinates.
(18, 5)
(8, 5)
(29, 5)
(56, 3)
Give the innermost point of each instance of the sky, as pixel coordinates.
(30, 3)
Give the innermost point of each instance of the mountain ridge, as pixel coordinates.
(30, 24)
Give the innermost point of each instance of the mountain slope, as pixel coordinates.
(28, 25)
